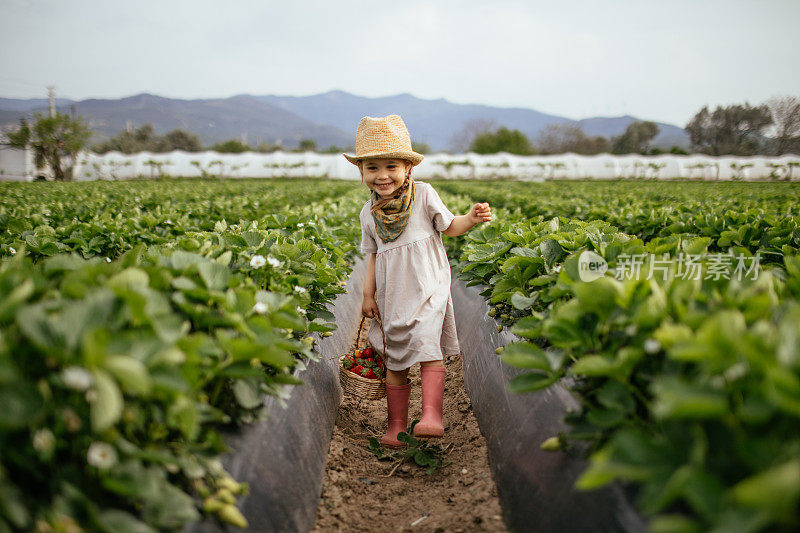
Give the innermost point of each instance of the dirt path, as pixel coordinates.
(358, 494)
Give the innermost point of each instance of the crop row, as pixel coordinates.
(119, 365)
(762, 217)
(106, 219)
(688, 381)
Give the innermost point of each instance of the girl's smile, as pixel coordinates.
(384, 176)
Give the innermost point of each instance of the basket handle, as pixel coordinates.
(383, 334)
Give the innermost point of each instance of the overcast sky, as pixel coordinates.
(658, 60)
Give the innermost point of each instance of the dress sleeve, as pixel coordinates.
(368, 244)
(437, 211)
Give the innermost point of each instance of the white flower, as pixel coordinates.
(557, 268)
(258, 261)
(101, 455)
(301, 310)
(108, 259)
(299, 289)
(273, 262)
(13, 251)
(77, 378)
(652, 346)
(300, 225)
(260, 308)
(44, 441)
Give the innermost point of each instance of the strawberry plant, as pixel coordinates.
(417, 451)
(119, 370)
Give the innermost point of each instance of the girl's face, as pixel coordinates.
(384, 176)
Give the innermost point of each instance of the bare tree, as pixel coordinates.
(785, 112)
(462, 139)
(567, 137)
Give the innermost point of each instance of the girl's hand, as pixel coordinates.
(369, 307)
(480, 213)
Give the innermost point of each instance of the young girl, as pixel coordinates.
(408, 274)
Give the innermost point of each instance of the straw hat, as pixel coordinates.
(385, 138)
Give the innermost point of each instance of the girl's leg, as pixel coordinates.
(398, 390)
(396, 377)
(431, 424)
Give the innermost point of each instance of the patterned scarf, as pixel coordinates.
(391, 214)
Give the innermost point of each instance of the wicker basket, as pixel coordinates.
(366, 388)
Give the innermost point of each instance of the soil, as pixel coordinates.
(361, 493)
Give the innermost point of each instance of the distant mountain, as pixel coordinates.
(329, 118)
(31, 104)
(434, 122)
(213, 120)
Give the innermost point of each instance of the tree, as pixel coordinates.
(462, 140)
(182, 140)
(267, 148)
(785, 112)
(566, 137)
(420, 147)
(502, 140)
(635, 139)
(55, 141)
(307, 145)
(735, 130)
(144, 139)
(231, 146)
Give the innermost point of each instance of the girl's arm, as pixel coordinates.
(370, 307)
(462, 224)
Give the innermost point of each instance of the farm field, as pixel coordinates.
(140, 319)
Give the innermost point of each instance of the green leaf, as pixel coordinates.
(523, 302)
(15, 298)
(551, 250)
(599, 296)
(182, 414)
(247, 393)
(106, 408)
(675, 399)
(529, 327)
(594, 366)
(525, 355)
(531, 382)
(775, 491)
(116, 521)
(130, 277)
(214, 275)
(130, 372)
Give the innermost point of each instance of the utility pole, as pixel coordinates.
(51, 93)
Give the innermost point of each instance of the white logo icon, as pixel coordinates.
(591, 266)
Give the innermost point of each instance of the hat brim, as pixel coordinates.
(414, 157)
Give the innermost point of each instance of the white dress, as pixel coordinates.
(412, 275)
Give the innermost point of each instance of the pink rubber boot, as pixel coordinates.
(430, 425)
(397, 407)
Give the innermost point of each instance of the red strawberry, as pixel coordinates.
(369, 374)
(357, 369)
(348, 362)
(367, 352)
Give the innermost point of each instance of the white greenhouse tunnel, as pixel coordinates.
(118, 166)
